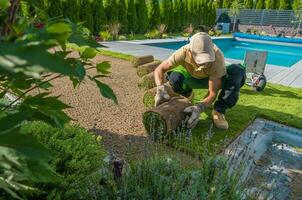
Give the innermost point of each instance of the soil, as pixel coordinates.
(117, 124)
(121, 125)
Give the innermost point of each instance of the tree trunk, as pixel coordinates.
(142, 60)
(147, 68)
(234, 23)
(160, 121)
(11, 17)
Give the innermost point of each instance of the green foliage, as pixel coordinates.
(297, 5)
(29, 63)
(105, 35)
(226, 3)
(167, 14)
(142, 16)
(248, 4)
(77, 154)
(86, 14)
(285, 4)
(154, 14)
(72, 10)
(112, 11)
(260, 4)
(55, 8)
(152, 34)
(132, 17)
(99, 16)
(164, 177)
(270, 4)
(122, 15)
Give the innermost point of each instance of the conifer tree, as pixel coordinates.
(260, 4)
(248, 4)
(99, 16)
(86, 14)
(226, 3)
(177, 16)
(71, 10)
(132, 17)
(270, 4)
(122, 15)
(55, 8)
(142, 16)
(285, 4)
(154, 16)
(112, 11)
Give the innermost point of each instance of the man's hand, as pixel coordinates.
(194, 113)
(161, 95)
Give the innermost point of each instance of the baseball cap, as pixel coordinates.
(201, 47)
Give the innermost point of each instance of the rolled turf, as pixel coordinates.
(147, 68)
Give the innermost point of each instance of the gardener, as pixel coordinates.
(200, 64)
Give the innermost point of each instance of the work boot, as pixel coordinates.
(219, 120)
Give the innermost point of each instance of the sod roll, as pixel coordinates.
(162, 120)
(142, 60)
(147, 68)
(148, 81)
(148, 98)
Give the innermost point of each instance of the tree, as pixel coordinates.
(112, 11)
(55, 8)
(122, 15)
(270, 4)
(226, 3)
(165, 9)
(177, 16)
(23, 160)
(235, 11)
(297, 6)
(132, 17)
(99, 16)
(71, 10)
(142, 16)
(154, 14)
(285, 4)
(248, 4)
(86, 14)
(218, 4)
(260, 4)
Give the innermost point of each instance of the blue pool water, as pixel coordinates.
(281, 55)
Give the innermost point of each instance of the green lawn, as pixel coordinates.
(278, 103)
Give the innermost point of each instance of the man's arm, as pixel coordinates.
(160, 71)
(214, 87)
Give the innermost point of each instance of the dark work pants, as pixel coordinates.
(229, 93)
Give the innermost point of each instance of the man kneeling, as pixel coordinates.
(200, 64)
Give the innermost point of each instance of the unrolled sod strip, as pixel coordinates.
(142, 60)
(147, 68)
(162, 120)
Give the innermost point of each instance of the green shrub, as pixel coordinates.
(152, 34)
(122, 37)
(218, 33)
(165, 36)
(105, 35)
(78, 154)
(211, 33)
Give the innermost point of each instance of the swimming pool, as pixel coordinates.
(281, 55)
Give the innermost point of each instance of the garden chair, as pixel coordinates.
(255, 62)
